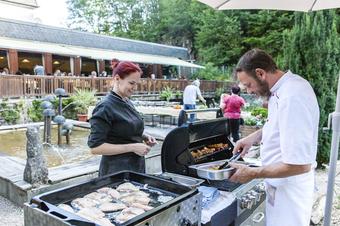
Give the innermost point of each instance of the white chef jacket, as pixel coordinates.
(190, 94)
(290, 136)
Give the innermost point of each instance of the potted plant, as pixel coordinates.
(82, 99)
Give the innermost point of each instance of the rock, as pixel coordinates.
(36, 171)
(318, 210)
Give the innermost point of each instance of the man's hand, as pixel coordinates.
(243, 173)
(243, 145)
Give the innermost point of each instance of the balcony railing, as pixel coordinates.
(30, 86)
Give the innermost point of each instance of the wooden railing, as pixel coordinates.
(29, 86)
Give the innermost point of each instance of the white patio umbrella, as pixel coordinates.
(291, 5)
(334, 118)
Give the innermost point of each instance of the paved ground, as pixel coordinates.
(10, 214)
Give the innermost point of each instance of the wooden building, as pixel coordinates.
(24, 45)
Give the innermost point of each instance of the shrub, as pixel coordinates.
(166, 94)
(35, 112)
(260, 112)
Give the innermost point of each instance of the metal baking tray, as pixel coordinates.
(204, 170)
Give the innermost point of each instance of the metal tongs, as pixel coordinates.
(234, 158)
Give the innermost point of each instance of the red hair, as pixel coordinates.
(124, 68)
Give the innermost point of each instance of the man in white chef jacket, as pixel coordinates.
(288, 139)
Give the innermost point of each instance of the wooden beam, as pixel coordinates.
(48, 63)
(13, 61)
(101, 66)
(77, 66)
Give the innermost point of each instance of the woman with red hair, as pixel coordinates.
(117, 127)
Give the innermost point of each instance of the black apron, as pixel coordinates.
(116, 121)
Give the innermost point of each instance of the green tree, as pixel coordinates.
(218, 37)
(124, 18)
(312, 50)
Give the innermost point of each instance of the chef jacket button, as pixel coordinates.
(261, 143)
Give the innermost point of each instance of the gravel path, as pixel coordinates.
(10, 214)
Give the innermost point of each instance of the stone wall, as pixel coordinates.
(246, 130)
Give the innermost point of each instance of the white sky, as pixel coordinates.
(50, 12)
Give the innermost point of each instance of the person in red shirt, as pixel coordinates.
(231, 106)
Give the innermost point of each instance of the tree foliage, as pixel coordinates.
(312, 50)
(217, 37)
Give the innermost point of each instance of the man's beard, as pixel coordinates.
(263, 88)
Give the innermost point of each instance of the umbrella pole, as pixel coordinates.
(333, 158)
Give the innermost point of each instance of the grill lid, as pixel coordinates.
(176, 156)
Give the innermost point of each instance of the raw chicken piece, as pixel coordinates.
(133, 210)
(139, 199)
(91, 213)
(81, 203)
(104, 222)
(111, 207)
(95, 195)
(103, 190)
(66, 207)
(128, 200)
(136, 193)
(127, 187)
(121, 218)
(141, 206)
(114, 194)
(142, 200)
(105, 199)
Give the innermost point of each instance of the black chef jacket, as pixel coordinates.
(116, 121)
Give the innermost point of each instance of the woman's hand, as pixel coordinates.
(140, 148)
(149, 140)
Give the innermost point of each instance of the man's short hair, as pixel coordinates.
(235, 90)
(253, 59)
(196, 83)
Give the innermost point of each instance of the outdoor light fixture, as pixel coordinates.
(1, 58)
(25, 61)
(56, 62)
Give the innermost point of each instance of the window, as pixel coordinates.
(88, 65)
(61, 63)
(27, 62)
(3, 60)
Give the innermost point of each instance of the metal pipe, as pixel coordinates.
(59, 134)
(60, 106)
(48, 128)
(333, 158)
(45, 130)
(68, 137)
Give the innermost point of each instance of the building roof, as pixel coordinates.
(23, 3)
(43, 33)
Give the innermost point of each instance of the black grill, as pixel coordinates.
(178, 144)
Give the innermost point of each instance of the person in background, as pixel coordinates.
(190, 94)
(117, 128)
(288, 139)
(93, 74)
(57, 73)
(103, 74)
(231, 106)
(39, 70)
(153, 76)
(18, 72)
(5, 71)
